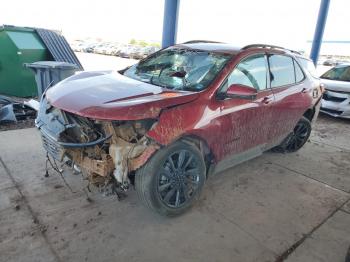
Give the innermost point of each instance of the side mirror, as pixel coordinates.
(241, 92)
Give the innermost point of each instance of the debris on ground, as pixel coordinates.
(7, 114)
(32, 104)
(17, 113)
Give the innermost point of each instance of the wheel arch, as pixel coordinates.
(202, 146)
(309, 114)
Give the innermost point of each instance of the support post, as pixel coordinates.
(171, 10)
(321, 23)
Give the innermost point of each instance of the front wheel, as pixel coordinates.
(297, 138)
(172, 179)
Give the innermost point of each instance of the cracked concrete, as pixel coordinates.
(278, 207)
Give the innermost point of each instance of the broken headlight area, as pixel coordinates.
(106, 152)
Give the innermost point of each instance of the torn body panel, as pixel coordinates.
(104, 150)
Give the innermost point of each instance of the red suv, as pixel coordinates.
(187, 111)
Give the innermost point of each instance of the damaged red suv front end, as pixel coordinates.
(168, 121)
(99, 120)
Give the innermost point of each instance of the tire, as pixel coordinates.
(297, 138)
(167, 188)
(347, 259)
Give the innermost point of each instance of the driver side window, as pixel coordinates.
(251, 71)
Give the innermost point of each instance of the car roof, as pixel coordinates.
(212, 47)
(225, 48)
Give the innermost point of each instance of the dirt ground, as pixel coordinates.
(278, 207)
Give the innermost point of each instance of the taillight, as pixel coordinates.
(322, 88)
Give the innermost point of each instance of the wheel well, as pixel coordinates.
(309, 114)
(203, 147)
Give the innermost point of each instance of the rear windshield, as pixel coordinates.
(338, 74)
(179, 68)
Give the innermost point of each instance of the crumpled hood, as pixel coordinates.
(332, 85)
(112, 96)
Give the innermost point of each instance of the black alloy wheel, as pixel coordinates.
(178, 179)
(297, 138)
(172, 179)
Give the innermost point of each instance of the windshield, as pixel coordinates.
(338, 74)
(179, 69)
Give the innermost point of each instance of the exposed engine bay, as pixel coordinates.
(107, 152)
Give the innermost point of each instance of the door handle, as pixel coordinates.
(266, 100)
(304, 90)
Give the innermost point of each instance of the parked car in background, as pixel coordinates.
(336, 99)
(148, 50)
(119, 49)
(111, 49)
(99, 49)
(116, 49)
(89, 47)
(168, 122)
(136, 52)
(77, 46)
(330, 62)
(126, 51)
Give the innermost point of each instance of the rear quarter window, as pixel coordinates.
(299, 75)
(308, 66)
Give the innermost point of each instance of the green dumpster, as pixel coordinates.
(19, 45)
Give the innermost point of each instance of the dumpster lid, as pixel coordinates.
(51, 64)
(58, 46)
(54, 41)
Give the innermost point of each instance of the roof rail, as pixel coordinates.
(268, 46)
(200, 41)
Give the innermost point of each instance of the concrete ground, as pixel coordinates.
(278, 207)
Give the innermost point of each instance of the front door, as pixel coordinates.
(245, 124)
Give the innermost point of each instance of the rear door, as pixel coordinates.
(291, 95)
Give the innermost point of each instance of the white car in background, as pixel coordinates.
(336, 99)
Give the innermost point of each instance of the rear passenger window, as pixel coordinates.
(282, 70)
(299, 75)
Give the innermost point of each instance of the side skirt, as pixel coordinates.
(239, 158)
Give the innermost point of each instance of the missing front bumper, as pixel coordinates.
(109, 150)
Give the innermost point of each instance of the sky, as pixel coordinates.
(290, 23)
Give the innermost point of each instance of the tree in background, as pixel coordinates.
(133, 42)
(142, 43)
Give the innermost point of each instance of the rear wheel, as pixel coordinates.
(297, 138)
(172, 179)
